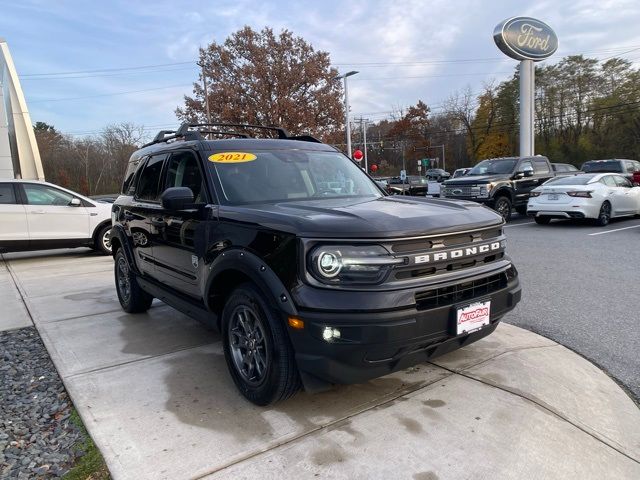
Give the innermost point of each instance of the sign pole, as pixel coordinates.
(527, 128)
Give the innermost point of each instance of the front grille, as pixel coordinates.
(447, 296)
(453, 240)
(461, 191)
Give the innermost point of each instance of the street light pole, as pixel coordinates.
(206, 93)
(346, 108)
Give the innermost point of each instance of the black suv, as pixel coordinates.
(312, 274)
(501, 183)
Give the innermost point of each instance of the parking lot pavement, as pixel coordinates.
(580, 288)
(154, 392)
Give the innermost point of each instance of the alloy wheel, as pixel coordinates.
(248, 345)
(124, 282)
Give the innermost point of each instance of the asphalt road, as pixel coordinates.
(581, 288)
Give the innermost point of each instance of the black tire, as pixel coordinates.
(605, 214)
(132, 298)
(522, 209)
(542, 220)
(257, 349)
(502, 205)
(102, 240)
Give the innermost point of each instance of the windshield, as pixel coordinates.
(488, 167)
(287, 175)
(577, 180)
(603, 166)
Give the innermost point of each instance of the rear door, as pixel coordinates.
(14, 231)
(50, 215)
(144, 207)
(627, 203)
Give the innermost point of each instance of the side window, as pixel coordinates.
(630, 166)
(183, 171)
(129, 184)
(622, 182)
(149, 178)
(45, 195)
(609, 181)
(540, 166)
(524, 164)
(7, 194)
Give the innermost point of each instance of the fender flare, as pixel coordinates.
(503, 190)
(118, 232)
(258, 271)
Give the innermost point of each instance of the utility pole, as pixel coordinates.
(206, 93)
(363, 130)
(346, 108)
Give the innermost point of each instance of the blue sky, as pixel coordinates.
(47, 38)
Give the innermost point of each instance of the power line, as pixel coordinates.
(108, 94)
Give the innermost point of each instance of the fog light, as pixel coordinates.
(330, 333)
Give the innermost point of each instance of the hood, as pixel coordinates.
(477, 179)
(384, 217)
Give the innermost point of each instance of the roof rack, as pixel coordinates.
(184, 128)
(192, 131)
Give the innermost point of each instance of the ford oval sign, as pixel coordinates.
(525, 38)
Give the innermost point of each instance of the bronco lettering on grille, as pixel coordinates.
(458, 253)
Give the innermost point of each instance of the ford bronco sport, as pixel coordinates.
(312, 274)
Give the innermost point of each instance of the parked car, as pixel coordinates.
(625, 167)
(636, 178)
(564, 168)
(599, 196)
(437, 174)
(414, 185)
(109, 198)
(461, 172)
(39, 215)
(307, 286)
(501, 183)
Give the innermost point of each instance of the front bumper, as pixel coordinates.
(376, 343)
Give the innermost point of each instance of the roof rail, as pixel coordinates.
(228, 133)
(184, 128)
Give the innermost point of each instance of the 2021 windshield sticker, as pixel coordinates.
(232, 157)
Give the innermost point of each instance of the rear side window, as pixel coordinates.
(149, 178)
(540, 166)
(128, 184)
(7, 194)
(622, 182)
(608, 181)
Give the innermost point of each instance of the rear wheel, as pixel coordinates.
(102, 242)
(542, 220)
(502, 205)
(259, 355)
(132, 298)
(522, 209)
(605, 214)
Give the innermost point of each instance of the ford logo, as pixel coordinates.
(525, 38)
(457, 191)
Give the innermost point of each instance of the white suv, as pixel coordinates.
(38, 215)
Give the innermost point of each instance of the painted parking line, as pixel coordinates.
(615, 230)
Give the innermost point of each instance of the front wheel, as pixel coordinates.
(503, 207)
(542, 220)
(132, 298)
(259, 355)
(605, 214)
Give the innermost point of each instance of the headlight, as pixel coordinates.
(484, 190)
(351, 264)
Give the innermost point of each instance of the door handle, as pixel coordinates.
(38, 212)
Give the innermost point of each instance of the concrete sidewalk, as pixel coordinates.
(155, 394)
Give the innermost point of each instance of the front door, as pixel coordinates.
(51, 216)
(177, 263)
(14, 232)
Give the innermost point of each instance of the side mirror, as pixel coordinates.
(75, 202)
(528, 172)
(176, 198)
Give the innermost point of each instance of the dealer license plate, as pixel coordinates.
(553, 196)
(473, 317)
